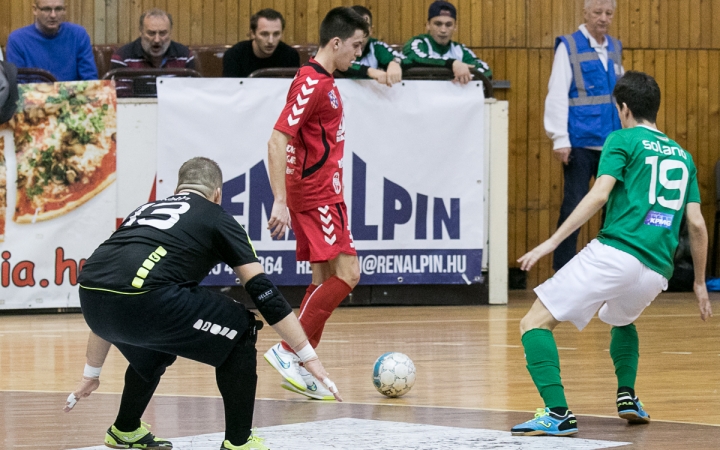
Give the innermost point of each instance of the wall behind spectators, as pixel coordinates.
(677, 41)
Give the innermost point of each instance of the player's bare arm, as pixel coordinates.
(97, 350)
(698, 248)
(288, 327)
(277, 162)
(588, 206)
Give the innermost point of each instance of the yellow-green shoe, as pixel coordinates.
(253, 443)
(140, 438)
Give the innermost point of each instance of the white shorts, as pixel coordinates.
(605, 278)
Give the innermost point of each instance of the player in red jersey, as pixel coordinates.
(305, 155)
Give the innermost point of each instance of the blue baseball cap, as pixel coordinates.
(440, 8)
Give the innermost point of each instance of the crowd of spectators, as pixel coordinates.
(64, 49)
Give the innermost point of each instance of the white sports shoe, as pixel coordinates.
(286, 363)
(314, 389)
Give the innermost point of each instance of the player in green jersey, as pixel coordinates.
(378, 60)
(648, 182)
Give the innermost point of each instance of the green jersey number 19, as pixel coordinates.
(666, 165)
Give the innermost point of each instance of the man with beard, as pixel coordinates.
(155, 47)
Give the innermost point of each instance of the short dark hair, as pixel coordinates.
(268, 14)
(200, 174)
(154, 12)
(363, 11)
(341, 22)
(641, 93)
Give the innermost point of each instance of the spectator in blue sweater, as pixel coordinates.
(62, 48)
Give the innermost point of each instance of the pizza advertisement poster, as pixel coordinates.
(57, 191)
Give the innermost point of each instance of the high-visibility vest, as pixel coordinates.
(592, 116)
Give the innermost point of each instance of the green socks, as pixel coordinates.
(624, 352)
(543, 363)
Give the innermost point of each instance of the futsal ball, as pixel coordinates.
(393, 374)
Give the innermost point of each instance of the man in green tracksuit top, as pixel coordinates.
(378, 60)
(437, 49)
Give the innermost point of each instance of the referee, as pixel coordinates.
(139, 291)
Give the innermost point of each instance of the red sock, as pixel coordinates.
(308, 292)
(320, 305)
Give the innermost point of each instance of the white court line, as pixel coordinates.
(454, 344)
(410, 322)
(333, 341)
(46, 335)
(566, 348)
(393, 405)
(676, 353)
(377, 322)
(63, 330)
(505, 345)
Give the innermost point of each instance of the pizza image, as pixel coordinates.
(3, 189)
(65, 144)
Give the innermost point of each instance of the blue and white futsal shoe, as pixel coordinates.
(287, 363)
(313, 388)
(547, 423)
(631, 409)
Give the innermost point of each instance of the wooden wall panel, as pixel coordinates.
(671, 24)
(677, 41)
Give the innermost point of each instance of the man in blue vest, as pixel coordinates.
(579, 109)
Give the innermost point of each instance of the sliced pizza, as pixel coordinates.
(65, 142)
(3, 189)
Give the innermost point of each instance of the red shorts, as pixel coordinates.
(322, 233)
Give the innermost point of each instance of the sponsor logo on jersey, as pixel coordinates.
(663, 149)
(290, 150)
(340, 136)
(333, 99)
(215, 329)
(336, 183)
(658, 219)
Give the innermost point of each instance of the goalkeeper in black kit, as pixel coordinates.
(139, 291)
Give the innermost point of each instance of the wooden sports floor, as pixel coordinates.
(470, 365)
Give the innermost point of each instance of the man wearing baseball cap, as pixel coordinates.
(437, 49)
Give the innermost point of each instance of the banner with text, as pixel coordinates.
(57, 192)
(412, 172)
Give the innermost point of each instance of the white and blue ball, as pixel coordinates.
(393, 374)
